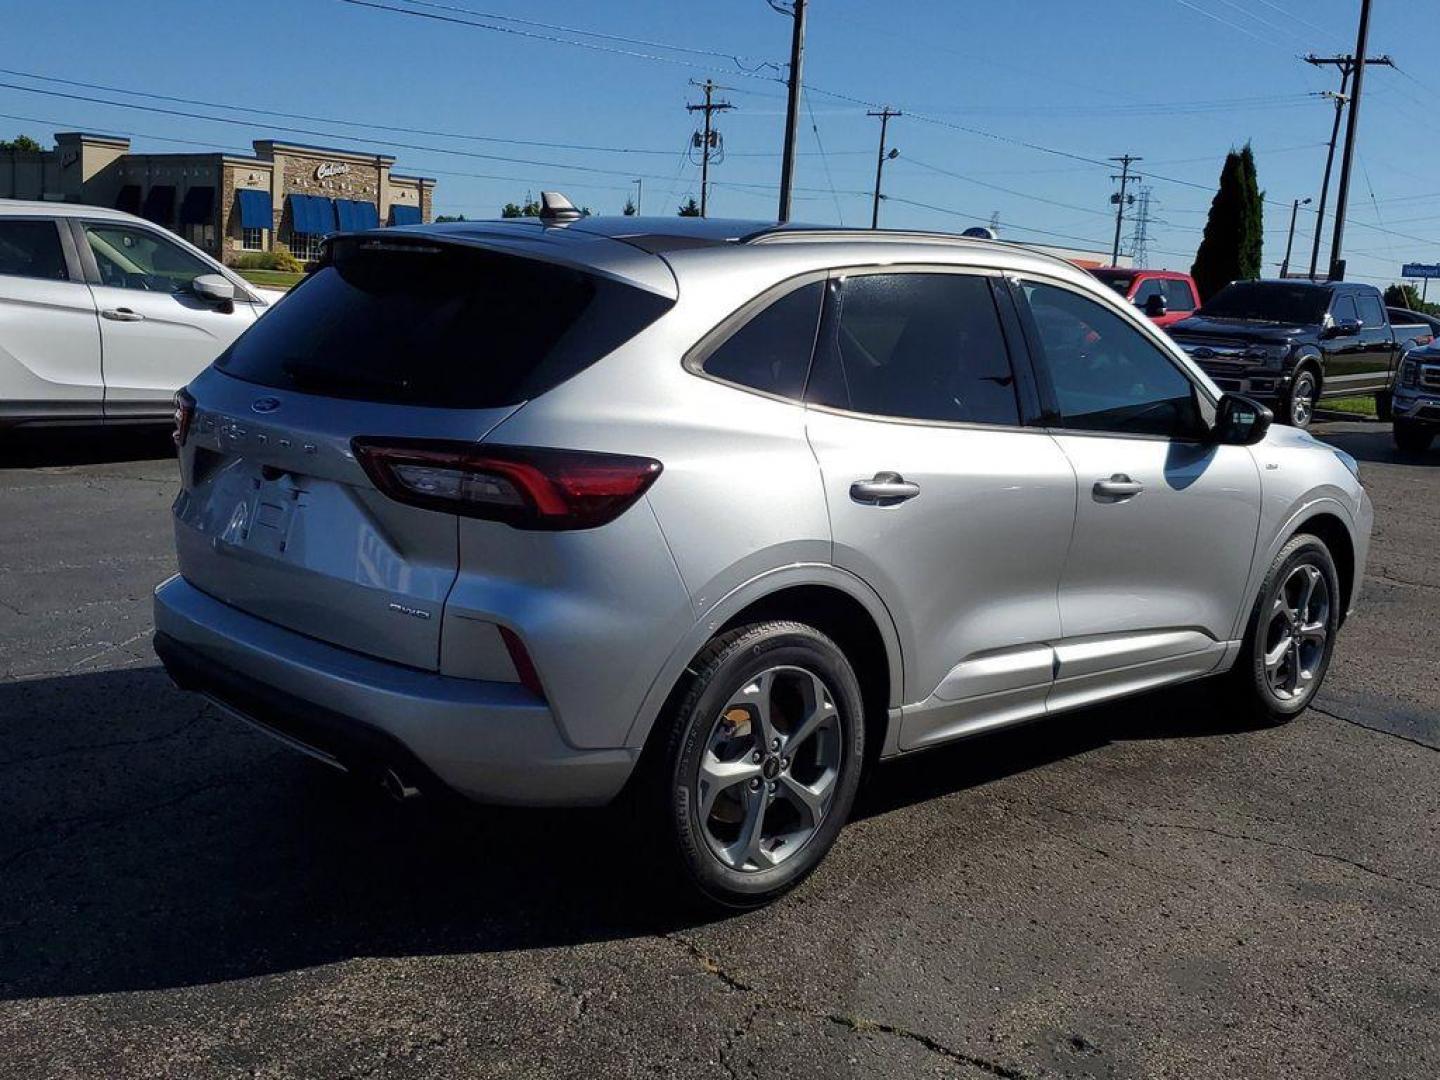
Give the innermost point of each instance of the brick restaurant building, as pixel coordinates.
(225, 204)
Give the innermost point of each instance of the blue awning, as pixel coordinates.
(256, 210)
(354, 214)
(198, 206)
(128, 199)
(313, 214)
(159, 204)
(404, 215)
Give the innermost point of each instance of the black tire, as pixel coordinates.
(1298, 407)
(1413, 438)
(1250, 680)
(1384, 406)
(726, 667)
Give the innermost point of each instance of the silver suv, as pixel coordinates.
(718, 514)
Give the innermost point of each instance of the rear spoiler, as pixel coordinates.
(586, 252)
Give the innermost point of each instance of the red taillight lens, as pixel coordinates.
(184, 414)
(527, 487)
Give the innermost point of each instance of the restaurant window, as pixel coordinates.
(252, 239)
(306, 246)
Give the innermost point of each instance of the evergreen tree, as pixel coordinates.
(20, 142)
(1234, 232)
(690, 208)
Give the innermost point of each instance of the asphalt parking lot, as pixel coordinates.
(1142, 891)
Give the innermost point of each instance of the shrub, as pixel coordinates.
(279, 259)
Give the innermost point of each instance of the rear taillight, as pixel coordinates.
(184, 414)
(527, 487)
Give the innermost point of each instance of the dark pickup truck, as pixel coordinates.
(1292, 343)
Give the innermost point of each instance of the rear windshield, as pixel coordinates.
(1268, 301)
(1117, 280)
(437, 325)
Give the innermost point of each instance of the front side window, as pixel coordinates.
(30, 247)
(1106, 374)
(1148, 288)
(1344, 310)
(917, 347)
(772, 351)
(1178, 295)
(131, 258)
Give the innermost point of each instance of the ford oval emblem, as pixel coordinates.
(265, 404)
(1202, 353)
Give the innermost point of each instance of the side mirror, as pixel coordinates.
(1343, 328)
(1155, 305)
(214, 287)
(1240, 421)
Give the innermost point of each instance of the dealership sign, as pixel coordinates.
(1420, 270)
(326, 169)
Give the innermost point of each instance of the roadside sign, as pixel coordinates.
(1420, 270)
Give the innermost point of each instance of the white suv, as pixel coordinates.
(103, 316)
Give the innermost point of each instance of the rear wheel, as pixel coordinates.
(1291, 635)
(763, 760)
(1413, 438)
(1299, 405)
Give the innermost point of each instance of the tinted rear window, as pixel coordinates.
(437, 325)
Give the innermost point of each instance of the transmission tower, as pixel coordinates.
(1140, 232)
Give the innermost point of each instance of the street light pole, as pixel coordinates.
(1290, 239)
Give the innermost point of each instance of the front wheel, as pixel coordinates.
(1299, 406)
(1384, 405)
(1413, 438)
(1291, 635)
(763, 760)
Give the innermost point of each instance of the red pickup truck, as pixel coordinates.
(1167, 296)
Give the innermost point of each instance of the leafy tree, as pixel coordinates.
(690, 208)
(441, 219)
(20, 142)
(629, 210)
(1234, 232)
(1407, 296)
(531, 208)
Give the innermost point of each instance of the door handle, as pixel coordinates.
(122, 314)
(886, 489)
(1117, 487)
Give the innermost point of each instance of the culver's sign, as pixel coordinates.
(326, 169)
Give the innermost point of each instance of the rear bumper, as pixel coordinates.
(488, 741)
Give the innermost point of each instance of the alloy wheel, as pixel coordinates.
(1302, 399)
(1297, 633)
(769, 769)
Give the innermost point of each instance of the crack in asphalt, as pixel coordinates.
(1328, 856)
(1372, 727)
(854, 1024)
(82, 825)
(1384, 575)
(90, 748)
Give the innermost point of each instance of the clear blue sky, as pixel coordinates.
(1177, 82)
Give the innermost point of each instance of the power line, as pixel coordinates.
(824, 161)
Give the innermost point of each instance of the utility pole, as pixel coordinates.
(1352, 123)
(710, 138)
(1290, 239)
(1126, 160)
(639, 183)
(884, 114)
(1346, 65)
(792, 103)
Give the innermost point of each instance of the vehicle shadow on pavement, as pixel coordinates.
(29, 448)
(151, 842)
(1376, 444)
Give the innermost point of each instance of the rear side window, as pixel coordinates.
(772, 351)
(917, 347)
(438, 325)
(31, 248)
(1371, 313)
(1178, 295)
